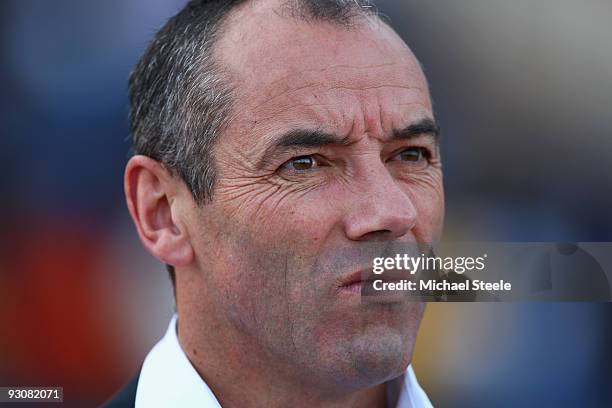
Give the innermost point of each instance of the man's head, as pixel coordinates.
(283, 139)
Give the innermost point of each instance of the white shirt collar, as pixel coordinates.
(167, 379)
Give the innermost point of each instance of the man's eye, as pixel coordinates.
(301, 163)
(412, 154)
(415, 156)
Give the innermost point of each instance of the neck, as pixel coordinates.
(240, 375)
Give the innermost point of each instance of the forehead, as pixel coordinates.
(286, 71)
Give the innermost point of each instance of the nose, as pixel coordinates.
(380, 210)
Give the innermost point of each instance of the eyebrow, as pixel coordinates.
(307, 138)
(296, 138)
(426, 126)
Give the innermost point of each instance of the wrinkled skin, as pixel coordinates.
(262, 289)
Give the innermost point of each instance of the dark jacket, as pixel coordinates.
(126, 397)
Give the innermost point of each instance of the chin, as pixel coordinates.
(382, 353)
(373, 357)
(360, 351)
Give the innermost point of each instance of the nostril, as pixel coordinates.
(380, 235)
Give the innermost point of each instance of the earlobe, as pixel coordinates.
(150, 191)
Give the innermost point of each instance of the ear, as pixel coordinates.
(150, 192)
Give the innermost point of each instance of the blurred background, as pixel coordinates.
(523, 92)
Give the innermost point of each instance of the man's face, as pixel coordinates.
(319, 163)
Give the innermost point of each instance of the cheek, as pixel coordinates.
(249, 283)
(427, 195)
(299, 215)
(267, 245)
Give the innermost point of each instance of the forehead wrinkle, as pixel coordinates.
(287, 92)
(300, 73)
(365, 88)
(334, 81)
(273, 114)
(313, 109)
(342, 86)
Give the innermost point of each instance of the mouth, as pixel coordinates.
(361, 283)
(352, 288)
(352, 283)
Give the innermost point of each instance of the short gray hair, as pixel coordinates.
(179, 98)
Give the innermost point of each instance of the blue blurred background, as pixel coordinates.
(523, 92)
